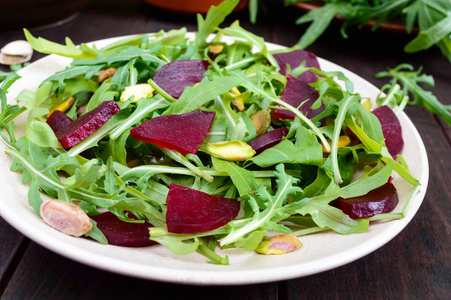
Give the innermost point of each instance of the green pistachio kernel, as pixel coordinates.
(279, 244)
(231, 150)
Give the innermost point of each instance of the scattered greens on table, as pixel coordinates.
(431, 17)
(292, 183)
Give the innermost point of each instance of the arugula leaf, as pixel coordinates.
(321, 19)
(431, 36)
(243, 179)
(262, 219)
(194, 97)
(325, 215)
(235, 30)
(410, 80)
(69, 50)
(215, 16)
(306, 152)
(144, 108)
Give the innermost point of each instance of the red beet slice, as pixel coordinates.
(391, 128)
(87, 124)
(378, 201)
(268, 139)
(296, 92)
(183, 133)
(120, 233)
(174, 77)
(294, 59)
(58, 120)
(192, 211)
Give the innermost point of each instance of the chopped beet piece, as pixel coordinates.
(268, 139)
(87, 124)
(294, 59)
(174, 77)
(58, 120)
(121, 233)
(296, 92)
(183, 133)
(378, 201)
(191, 211)
(391, 128)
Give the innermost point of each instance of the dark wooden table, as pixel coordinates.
(414, 265)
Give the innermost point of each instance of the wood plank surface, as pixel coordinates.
(414, 265)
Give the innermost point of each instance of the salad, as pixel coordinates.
(200, 144)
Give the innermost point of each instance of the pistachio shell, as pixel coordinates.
(138, 91)
(261, 121)
(279, 244)
(231, 150)
(16, 52)
(65, 217)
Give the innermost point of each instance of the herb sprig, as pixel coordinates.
(431, 17)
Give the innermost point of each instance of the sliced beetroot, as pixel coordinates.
(296, 92)
(183, 133)
(294, 59)
(378, 201)
(121, 233)
(86, 124)
(192, 211)
(268, 139)
(174, 77)
(58, 120)
(391, 128)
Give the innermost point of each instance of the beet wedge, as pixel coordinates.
(121, 233)
(268, 139)
(391, 129)
(296, 92)
(294, 59)
(86, 124)
(58, 120)
(183, 133)
(378, 201)
(174, 77)
(192, 211)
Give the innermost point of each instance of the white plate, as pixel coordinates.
(320, 252)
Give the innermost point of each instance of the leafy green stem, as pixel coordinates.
(248, 84)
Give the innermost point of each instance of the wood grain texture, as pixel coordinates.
(414, 265)
(12, 246)
(55, 277)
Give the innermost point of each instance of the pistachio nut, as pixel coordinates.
(65, 217)
(279, 244)
(108, 73)
(16, 52)
(216, 49)
(261, 121)
(343, 141)
(231, 150)
(367, 104)
(63, 106)
(138, 91)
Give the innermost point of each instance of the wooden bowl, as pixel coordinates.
(191, 6)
